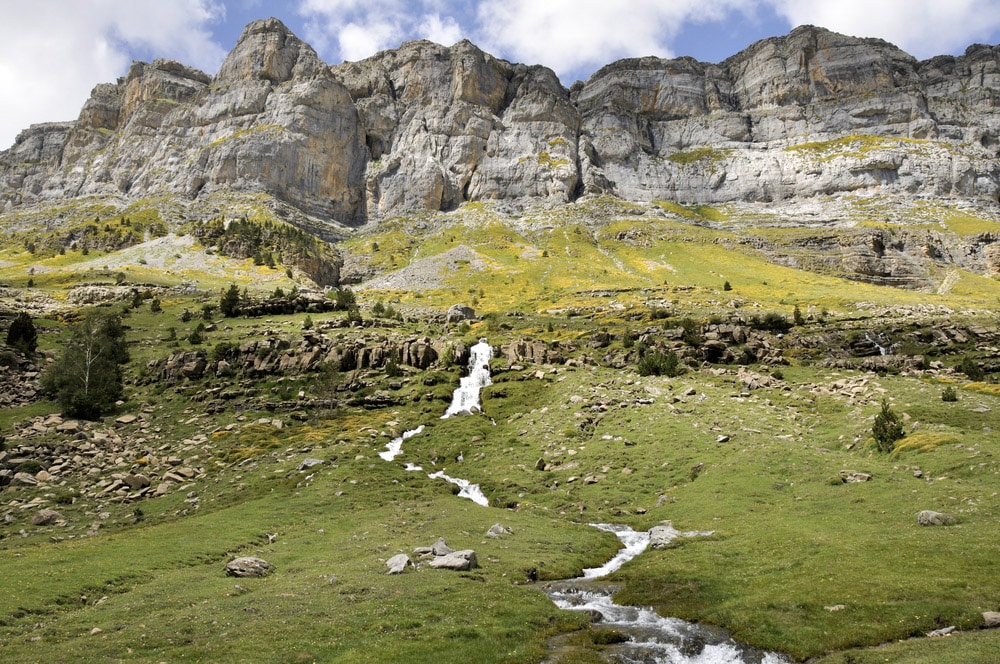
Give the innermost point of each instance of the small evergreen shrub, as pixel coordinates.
(949, 394)
(971, 369)
(887, 429)
(657, 363)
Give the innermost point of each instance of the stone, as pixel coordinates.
(498, 530)
(855, 478)
(991, 619)
(398, 564)
(932, 518)
(440, 548)
(136, 482)
(456, 560)
(944, 631)
(25, 478)
(540, 464)
(309, 463)
(69, 427)
(126, 419)
(248, 566)
(45, 517)
(663, 535)
(460, 312)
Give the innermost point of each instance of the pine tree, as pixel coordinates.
(887, 429)
(22, 335)
(229, 305)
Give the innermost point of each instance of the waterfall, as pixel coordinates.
(465, 401)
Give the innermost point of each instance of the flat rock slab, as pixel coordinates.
(248, 566)
(398, 564)
(456, 560)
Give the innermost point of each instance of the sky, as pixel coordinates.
(53, 52)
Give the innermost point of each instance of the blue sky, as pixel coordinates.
(52, 52)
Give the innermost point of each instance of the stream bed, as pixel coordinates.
(650, 638)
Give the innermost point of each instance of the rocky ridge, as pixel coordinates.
(426, 127)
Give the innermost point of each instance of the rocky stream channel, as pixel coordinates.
(647, 637)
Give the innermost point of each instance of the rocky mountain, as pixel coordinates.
(425, 127)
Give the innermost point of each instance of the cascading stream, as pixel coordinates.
(465, 401)
(653, 639)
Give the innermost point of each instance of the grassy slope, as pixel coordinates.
(788, 542)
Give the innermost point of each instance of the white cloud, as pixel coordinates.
(356, 29)
(923, 28)
(358, 41)
(51, 57)
(568, 34)
(445, 31)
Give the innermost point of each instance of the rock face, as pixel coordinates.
(425, 127)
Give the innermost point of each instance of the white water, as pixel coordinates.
(395, 446)
(465, 401)
(633, 543)
(467, 488)
(882, 350)
(653, 638)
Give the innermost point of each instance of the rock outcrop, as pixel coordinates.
(425, 127)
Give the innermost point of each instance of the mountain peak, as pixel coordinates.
(268, 50)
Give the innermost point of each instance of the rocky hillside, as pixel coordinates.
(425, 127)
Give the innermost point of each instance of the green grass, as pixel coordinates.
(790, 538)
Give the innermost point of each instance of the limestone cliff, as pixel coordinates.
(425, 127)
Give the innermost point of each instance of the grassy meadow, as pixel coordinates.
(800, 561)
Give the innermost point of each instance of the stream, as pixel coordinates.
(652, 639)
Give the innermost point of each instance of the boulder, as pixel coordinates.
(136, 482)
(661, 536)
(991, 619)
(460, 312)
(398, 564)
(248, 566)
(456, 560)
(498, 530)
(45, 517)
(440, 548)
(25, 478)
(932, 518)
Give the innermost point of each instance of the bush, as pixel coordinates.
(971, 369)
(692, 332)
(727, 286)
(224, 350)
(887, 429)
(657, 363)
(22, 334)
(773, 322)
(949, 394)
(155, 306)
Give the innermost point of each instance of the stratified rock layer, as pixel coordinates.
(425, 127)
